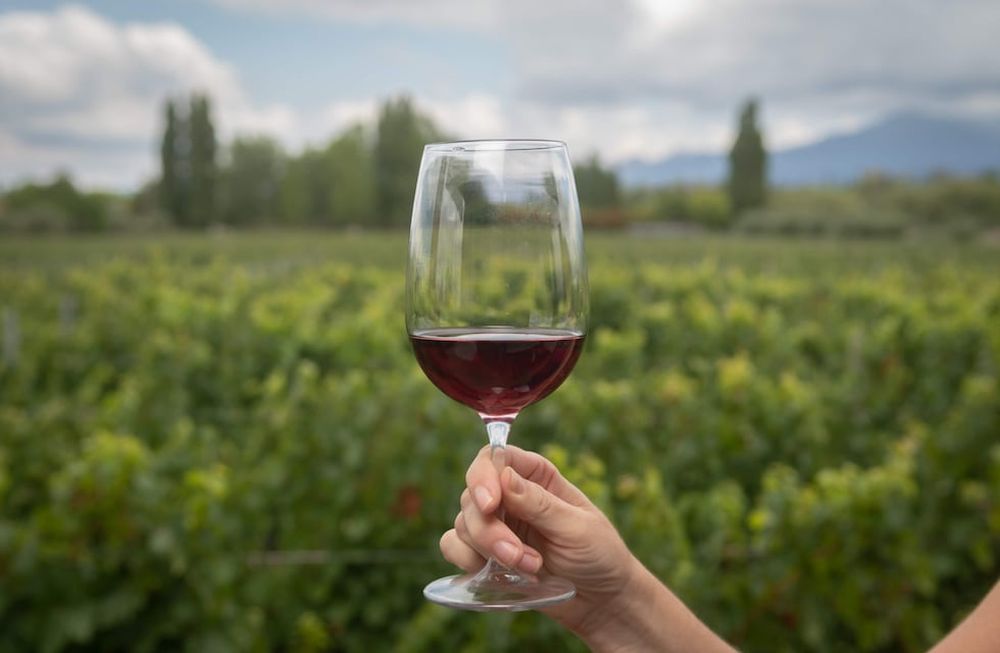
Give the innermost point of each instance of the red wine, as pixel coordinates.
(497, 372)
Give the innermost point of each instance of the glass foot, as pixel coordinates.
(495, 588)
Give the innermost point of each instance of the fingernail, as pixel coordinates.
(516, 484)
(506, 552)
(483, 497)
(531, 562)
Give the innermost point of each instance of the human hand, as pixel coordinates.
(550, 523)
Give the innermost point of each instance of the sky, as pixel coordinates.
(82, 84)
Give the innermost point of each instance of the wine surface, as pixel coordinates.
(497, 372)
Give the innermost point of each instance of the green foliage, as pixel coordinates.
(600, 197)
(877, 207)
(172, 185)
(748, 163)
(203, 164)
(352, 178)
(188, 166)
(959, 205)
(401, 136)
(859, 212)
(334, 186)
(799, 438)
(704, 206)
(597, 186)
(881, 207)
(305, 192)
(56, 206)
(822, 223)
(251, 181)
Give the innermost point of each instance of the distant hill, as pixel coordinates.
(904, 145)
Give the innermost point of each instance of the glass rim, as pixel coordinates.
(496, 145)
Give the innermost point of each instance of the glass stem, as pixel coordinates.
(498, 432)
(495, 571)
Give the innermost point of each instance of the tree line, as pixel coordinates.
(362, 176)
(365, 176)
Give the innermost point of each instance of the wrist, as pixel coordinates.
(612, 624)
(645, 616)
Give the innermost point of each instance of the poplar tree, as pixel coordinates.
(203, 164)
(173, 180)
(748, 163)
(188, 165)
(402, 133)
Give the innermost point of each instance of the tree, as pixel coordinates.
(305, 189)
(748, 163)
(203, 165)
(250, 183)
(402, 133)
(188, 163)
(600, 197)
(351, 168)
(596, 186)
(173, 173)
(56, 206)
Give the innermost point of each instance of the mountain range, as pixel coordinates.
(908, 145)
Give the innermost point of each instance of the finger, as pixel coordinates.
(459, 553)
(488, 535)
(539, 469)
(492, 537)
(530, 562)
(483, 480)
(554, 518)
(482, 476)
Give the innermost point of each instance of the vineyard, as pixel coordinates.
(223, 443)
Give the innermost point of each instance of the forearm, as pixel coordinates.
(978, 633)
(647, 617)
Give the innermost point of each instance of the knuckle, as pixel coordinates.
(465, 501)
(549, 470)
(460, 526)
(541, 505)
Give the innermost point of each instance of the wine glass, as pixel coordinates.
(496, 307)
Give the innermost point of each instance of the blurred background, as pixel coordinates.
(213, 435)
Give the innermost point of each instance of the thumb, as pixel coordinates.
(545, 512)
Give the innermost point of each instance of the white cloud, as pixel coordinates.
(626, 78)
(782, 49)
(79, 93)
(817, 64)
(462, 14)
(669, 74)
(94, 163)
(342, 114)
(76, 90)
(471, 116)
